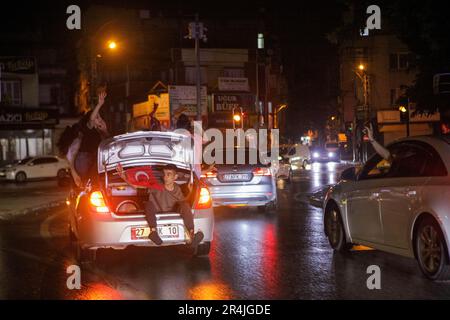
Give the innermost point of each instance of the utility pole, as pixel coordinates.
(197, 31)
(364, 77)
(197, 65)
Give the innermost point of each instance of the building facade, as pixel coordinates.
(375, 70)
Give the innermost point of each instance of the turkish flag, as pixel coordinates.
(143, 176)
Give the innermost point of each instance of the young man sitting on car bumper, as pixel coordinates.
(166, 198)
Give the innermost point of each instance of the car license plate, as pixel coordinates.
(169, 231)
(236, 177)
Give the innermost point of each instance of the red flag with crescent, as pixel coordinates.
(143, 176)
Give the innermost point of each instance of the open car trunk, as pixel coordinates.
(143, 149)
(125, 200)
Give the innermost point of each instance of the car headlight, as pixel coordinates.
(316, 155)
(331, 154)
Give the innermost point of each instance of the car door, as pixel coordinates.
(41, 167)
(50, 167)
(413, 164)
(32, 168)
(363, 204)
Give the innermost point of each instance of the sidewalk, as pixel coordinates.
(31, 197)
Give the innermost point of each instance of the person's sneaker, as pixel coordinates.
(196, 238)
(154, 236)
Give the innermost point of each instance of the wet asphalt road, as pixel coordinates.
(282, 255)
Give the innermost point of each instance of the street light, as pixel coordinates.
(112, 45)
(277, 110)
(364, 77)
(404, 117)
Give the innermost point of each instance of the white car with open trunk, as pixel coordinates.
(109, 213)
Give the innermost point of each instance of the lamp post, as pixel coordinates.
(404, 116)
(364, 77)
(277, 110)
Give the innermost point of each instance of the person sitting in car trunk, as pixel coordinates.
(166, 198)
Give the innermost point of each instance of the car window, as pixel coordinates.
(292, 151)
(237, 155)
(24, 161)
(38, 161)
(376, 167)
(416, 159)
(45, 160)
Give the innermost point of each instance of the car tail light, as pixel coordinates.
(209, 174)
(98, 202)
(261, 172)
(204, 199)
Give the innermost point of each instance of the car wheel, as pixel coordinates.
(334, 230)
(304, 164)
(61, 174)
(203, 249)
(21, 177)
(82, 256)
(270, 207)
(431, 250)
(262, 209)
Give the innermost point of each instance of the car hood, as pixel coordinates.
(146, 148)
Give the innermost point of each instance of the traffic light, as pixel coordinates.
(238, 118)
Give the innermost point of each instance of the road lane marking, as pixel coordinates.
(45, 225)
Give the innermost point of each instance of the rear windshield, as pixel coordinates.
(236, 156)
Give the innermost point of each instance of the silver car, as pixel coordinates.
(243, 183)
(109, 213)
(399, 206)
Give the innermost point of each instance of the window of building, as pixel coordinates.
(233, 72)
(11, 92)
(400, 61)
(393, 97)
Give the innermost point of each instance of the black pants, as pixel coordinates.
(183, 208)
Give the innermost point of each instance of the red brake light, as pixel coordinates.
(261, 172)
(204, 199)
(209, 174)
(98, 202)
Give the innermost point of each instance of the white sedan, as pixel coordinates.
(401, 206)
(35, 167)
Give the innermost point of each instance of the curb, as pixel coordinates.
(8, 216)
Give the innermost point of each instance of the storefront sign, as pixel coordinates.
(26, 117)
(24, 65)
(228, 101)
(162, 112)
(233, 84)
(186, 97)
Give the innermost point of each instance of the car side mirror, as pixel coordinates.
(349, 174)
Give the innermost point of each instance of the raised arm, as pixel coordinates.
(93, 116)
(382, 151)
(122, 174)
